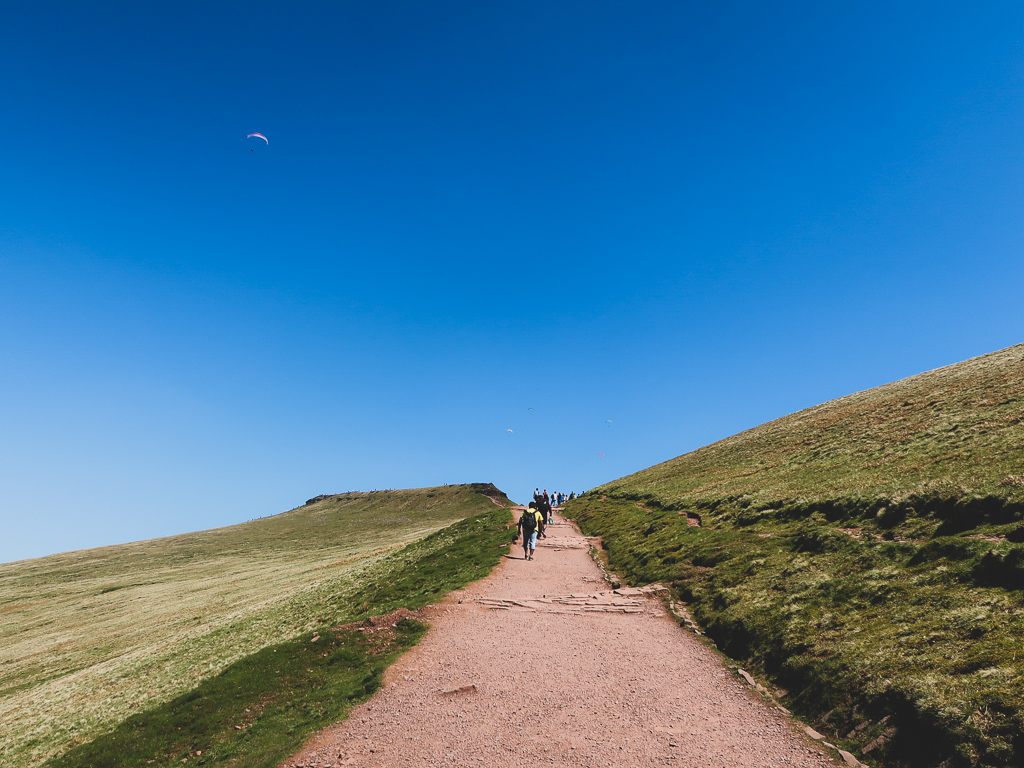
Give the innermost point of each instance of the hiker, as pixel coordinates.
(545, 512)
(530, 524)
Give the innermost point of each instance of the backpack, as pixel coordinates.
(529, 521)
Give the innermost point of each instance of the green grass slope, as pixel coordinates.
(89, 637)
(957, 430)
(866, 555)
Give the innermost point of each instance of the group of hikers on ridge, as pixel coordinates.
(555, 499)
(535, 519)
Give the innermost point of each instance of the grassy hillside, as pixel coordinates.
(865, 555)
(88, 637)
(957, 431)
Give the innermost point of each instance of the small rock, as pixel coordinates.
(883, 737)
(471, 688)
(813, 733)
(850, 760)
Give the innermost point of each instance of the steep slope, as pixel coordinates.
(865, 555)
(956, 430)
(87, 637)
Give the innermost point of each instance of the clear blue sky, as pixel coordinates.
(686, 218)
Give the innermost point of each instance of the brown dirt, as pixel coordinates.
(542, 663)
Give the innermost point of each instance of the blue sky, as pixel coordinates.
(686, 218)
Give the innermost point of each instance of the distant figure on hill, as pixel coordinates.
(536, 494)
(530, 524)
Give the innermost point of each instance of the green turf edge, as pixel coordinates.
(914, 644)
(262, 708)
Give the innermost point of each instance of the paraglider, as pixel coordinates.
(259, 136)
(607, 421)
(531, 409)
(600, 454)
(509, 431)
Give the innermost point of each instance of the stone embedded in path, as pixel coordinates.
(471, 688)
(599, 602)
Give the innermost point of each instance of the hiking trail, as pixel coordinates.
(542, 663)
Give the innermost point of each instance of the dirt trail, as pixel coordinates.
(535, 666)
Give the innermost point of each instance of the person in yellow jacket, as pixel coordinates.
(531, 522)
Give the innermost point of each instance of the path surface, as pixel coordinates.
(533, 666)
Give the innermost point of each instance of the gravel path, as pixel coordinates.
(541, 664)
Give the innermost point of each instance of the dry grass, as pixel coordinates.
(956, 430)
(88, 637)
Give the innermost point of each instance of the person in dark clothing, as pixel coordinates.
(545, 510)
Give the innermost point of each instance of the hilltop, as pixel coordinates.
(88, 637)
(863, 555)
